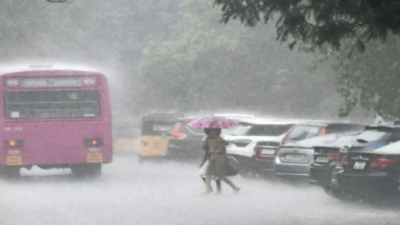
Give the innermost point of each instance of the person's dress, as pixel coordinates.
(217, 152)
(203, 170)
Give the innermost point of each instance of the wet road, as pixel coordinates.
(170, 193)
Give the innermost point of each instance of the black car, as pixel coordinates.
(186, 142)
(325, 160)
(365, 173)
(374, 137)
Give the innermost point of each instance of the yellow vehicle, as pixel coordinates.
(156, 132)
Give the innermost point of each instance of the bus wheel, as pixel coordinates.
(12, 172)
(86, 170)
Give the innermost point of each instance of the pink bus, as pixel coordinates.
(55, 119)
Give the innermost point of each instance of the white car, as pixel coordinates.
(236, 117)
(256, 136)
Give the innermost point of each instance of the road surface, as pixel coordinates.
(170, 193)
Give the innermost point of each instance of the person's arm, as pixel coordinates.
(205, 145)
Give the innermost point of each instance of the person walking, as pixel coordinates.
(216, 147)
(204, 165)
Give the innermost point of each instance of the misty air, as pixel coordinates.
(199, 112)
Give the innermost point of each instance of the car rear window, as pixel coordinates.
(373, 135)
(261, 130)
(328, 140)
(157, 128)
(301, 132)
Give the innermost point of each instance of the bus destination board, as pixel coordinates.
(50, 82)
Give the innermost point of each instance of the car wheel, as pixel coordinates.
(11, 172)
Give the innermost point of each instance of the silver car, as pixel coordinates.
(294, 159)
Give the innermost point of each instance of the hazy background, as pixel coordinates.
(170, 55)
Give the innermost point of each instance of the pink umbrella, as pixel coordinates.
(211, 122)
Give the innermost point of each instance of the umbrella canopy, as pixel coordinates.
(212, 122)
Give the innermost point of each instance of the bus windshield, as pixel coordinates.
(52, 105)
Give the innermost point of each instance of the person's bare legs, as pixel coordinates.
(208, 184)
(229, 182)
(218, 183)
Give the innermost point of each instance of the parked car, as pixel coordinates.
(186, 142)
(310, 129)
(255, 137)
(155, 134)
(293, 159)
(326, 158)
(366, 173)
(236, 117)
(374, 137)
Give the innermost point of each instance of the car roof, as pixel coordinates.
(238, 116)
(383, 127)
(325, 123)
(335, 138)
(261, 121)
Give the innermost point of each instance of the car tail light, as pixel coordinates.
(176, 134)
(334, 157)
(322, 132)
(13, 143)
(286, 135)
(382, 163)
(345, 161)
(256, 151)
(97, 142)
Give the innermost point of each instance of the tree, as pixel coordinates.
(208, 66)
(319, 22)
(370, 80)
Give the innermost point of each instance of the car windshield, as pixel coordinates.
(373, 135)
(301, 132)
(241, 130)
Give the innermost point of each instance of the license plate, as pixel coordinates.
(267, 152)
(359, 165)
(322, 159)
(14, 160)
(94, 158)
(295, 157)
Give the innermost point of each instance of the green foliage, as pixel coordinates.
(319, 22)
(204, 65)
(370, 80)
